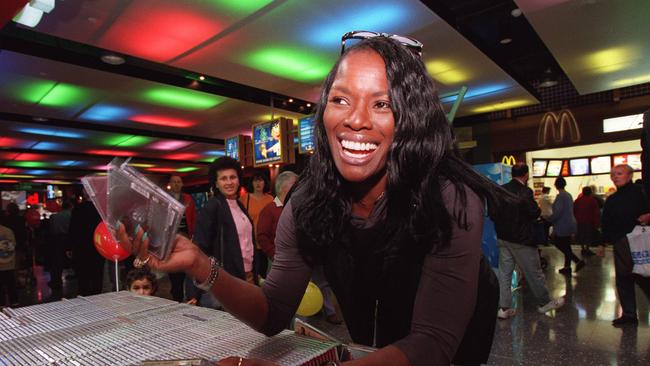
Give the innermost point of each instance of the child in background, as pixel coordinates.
(142, 281)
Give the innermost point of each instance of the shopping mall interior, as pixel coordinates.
(163, 88)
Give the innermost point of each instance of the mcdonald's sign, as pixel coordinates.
(508, 160)
(555, 128)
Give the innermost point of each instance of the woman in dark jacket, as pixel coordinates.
(224, 229)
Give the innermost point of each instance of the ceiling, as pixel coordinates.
(64, 113)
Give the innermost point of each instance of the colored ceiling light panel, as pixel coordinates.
(239, 7)
(611, 59)
(169, 145)
(327, 32)
(500, 106)
(127, 140)
(182, 156)
(187, 169)
(106, 113)
(290, 63)
(159, 32)
(141, 165)
(63, 95)
(162, 121)
(29, 156)
(181, 98)
(161, 170)
(49, 181)
(111, 152)
(28, 164)
(446, 72)
(16, 176)
(8, 181)
(8, 170)
(38, 171)
(34, 91)
(67, 163)
(216, 153)
(11, 142)
(208, 160)
(641, 79)
(46, 145)
(49, 132)
(8, 155)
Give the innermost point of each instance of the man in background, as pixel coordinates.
(270, 214)
(88, 264)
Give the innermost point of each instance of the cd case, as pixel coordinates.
(127, 196)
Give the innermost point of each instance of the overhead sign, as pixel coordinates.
(556, 128)
(508, 160)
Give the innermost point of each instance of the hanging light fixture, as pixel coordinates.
(548, 80)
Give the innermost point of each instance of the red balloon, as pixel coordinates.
(106, 246)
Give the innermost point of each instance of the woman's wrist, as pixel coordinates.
(200, 270)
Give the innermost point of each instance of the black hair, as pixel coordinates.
(222, 163)
(586, 191)
(560, 183)
(421, 158)
(519, 170)
(136, 274)
(262, 177)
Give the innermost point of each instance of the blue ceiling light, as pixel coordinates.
(37, 172)
(48, 132)
(379, 17)
(102, 112)
(46, 145)
(476, 92)
(216, 153)
(67, 163)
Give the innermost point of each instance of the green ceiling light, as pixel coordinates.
(126, 140)
(187, 169)
(33, 92)
(27, 164)
(290, 63)
(239, 7)
(181, 98)
(63, 95)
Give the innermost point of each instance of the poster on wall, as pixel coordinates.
(232, 147)
(267, 143)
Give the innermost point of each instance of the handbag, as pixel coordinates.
(639, 240)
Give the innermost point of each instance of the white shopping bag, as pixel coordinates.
(639, 240)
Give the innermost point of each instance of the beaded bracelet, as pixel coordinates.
(214, 274)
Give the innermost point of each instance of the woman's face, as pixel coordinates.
(358, 118)
(142, 287)
(620, 176)
(258, 185)
(228, 183)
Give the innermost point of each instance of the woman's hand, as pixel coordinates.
(239, 361)
(185, 256)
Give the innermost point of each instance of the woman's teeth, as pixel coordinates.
(358, 146)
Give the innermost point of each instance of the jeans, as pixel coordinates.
(625, 279)
(527, 258)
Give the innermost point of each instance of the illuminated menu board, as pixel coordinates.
(601, 164)
(633, 160)
(232, 147)
(579, 166)
(554, 168)
(539, 168)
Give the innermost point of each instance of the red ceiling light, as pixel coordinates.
(8, 181)
(111, 152)
(159, 33)
(30, 157)
(161, 170)
(182, 156)
(8, 170)
(162, 121)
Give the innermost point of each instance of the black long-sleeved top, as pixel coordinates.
(621, 211)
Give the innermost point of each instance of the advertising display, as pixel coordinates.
(601, 164)
(554, 168)
(306, 141)
(633, 160)
(579, 166)
(17, 197)
(273, 142)
(232, 147)
(539, 168)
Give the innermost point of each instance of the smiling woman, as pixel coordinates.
(390, 211)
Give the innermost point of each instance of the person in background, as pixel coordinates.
(58, 245)
(564, 226)
(254, 203)
(587, 214)
(14, 221)
(88, 264)
(516, 246)
(8, 267)
(546, 206)
(623, 210)
(141, 281)
(186, 227)
(224, 230)
(270, 215)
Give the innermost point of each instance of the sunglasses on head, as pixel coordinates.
(410, 43)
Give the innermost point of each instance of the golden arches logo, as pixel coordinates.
(508, 160)
(558, 127)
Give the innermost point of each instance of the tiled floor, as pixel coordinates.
(580, 333)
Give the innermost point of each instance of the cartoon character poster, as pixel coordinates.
(267, 142)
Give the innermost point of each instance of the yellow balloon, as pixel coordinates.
(312, 302)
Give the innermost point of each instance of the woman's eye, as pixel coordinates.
(382, 105)
(338, 100)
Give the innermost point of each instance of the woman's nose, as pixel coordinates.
(359, 118)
